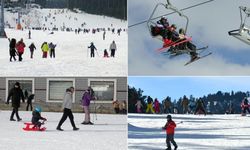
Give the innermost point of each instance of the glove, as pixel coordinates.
(45, 119)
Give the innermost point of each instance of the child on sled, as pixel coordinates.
(36, 116)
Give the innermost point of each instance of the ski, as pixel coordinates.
(191, 61)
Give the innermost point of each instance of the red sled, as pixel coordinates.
(31, 127)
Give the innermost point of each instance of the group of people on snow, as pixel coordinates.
(18, 48)
(16, 94)
(166, 106)
(170, 35)
(112, 48)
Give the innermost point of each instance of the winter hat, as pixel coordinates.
(169, 117)
(17, 84)
(38, 109)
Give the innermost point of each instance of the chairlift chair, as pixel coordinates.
(169, 6)
(243, 33)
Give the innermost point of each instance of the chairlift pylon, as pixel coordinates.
(243, 33)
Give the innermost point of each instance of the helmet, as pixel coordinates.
(169, 117)
(38, 109)
(164, 18)
(181, 31)
(174, 26)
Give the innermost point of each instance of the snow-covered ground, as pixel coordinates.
(72, 54)
(211, 132)
(108, 133)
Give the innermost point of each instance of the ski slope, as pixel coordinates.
(72, 54)
(108, 133)
(211, 132)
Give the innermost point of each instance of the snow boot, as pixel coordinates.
(11, 119)
(175, 148)
(75, 128)
(19, 119)
(59, 129)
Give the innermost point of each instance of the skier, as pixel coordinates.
(20, 49)
(12, 48)
(67, 105)
(150, 105)
(167, 105)
(184, 104)
(86, 98)
(104, 34)
(160, 28)
(16, 94)
(92, 49)
(112, 48)
(32, 47)
(36, 116)
(138, 106)
(170, 127)
(200, 107)
(45, 49)
(245, 106)
(52, 49)
(29, 102)
(156, 106)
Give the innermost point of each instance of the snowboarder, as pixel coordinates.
(245, 106)
(45, 49)
(116, 106)
(184, 104)
(112, 48)
(66, 106)
(32, 47)
(36, 116)
(138, 106)
(156, 106)
(12, 49)
(170, 127)
(15, 94)
(150, 105)
(200, 107)
(106, 54)
(92, 49)
(86, 98)
(52, 49)
(20, 49)
(29, 102)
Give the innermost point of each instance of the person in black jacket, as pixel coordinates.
(32, 48)
(36, 116)
(29, 102)
(12, 49)
(16, 94)
(92, 49)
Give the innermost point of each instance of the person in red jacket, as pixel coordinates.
(157, 106)
(170, 127)
(20, 49)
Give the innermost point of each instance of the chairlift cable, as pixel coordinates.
(172, 13)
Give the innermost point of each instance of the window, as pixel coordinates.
(26, 84)
(105, 90)
(56, 89)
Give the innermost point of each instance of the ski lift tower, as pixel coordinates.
(2, 33)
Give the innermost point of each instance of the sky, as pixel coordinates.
(208, 25)
(176, 87)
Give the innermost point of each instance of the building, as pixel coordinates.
(49, 91)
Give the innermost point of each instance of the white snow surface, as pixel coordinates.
(72, 54)
(211, 132)
(108, 133)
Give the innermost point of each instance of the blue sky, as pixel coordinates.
(208, 25)
(175, 87)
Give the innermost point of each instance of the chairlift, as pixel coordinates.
(168, 6)
(243, 33)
